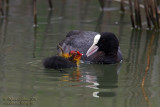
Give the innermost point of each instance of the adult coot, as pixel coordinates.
(96, 48)
(65, 60)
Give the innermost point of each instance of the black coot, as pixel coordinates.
(96, 48)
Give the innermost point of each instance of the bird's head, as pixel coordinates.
(105, 42)
(75, 56)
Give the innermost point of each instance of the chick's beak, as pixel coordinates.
(92, 50)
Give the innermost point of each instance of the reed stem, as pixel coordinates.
(50, 4)
(101, 2)
(156, 13)
(147, 14)
(136, 12)
(151, 12)
(131, 13)
(139, 14)
(7, 2)
(122, 6)
(35, 12)
(1, 9)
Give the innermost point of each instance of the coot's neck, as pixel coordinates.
(110, 59)
(111, 54)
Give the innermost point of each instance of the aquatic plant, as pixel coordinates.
(35, 10)
(151, 12)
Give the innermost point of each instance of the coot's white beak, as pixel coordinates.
(94, 47)
(91, 50)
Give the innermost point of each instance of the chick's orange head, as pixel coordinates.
(76, 54)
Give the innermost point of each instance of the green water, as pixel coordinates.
(23, 48)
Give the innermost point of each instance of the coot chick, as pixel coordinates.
(64, 61)
(95, 47)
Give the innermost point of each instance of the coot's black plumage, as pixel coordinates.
(95, 47)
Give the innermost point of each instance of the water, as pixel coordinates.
(23, 48)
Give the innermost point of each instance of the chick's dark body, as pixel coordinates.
(58, 62)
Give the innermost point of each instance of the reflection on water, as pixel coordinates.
(134, 82)
(142, 53)
(99, 77)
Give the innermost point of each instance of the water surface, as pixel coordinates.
(23, 48)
